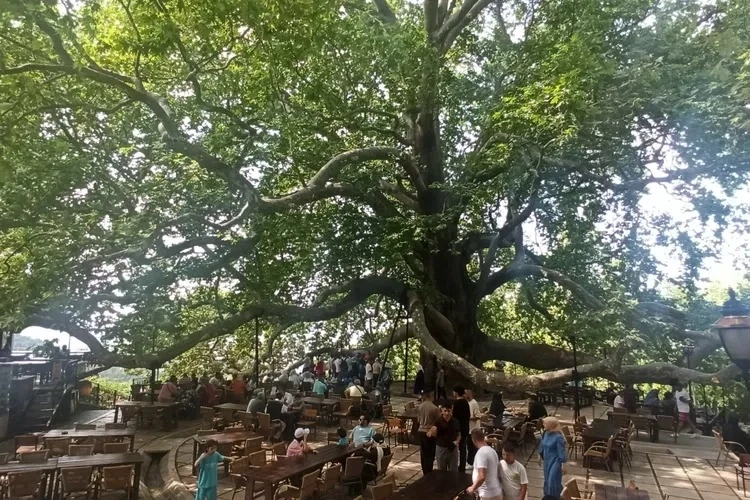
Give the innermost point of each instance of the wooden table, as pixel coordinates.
(322, 403)
(437, 485)
(272, 474)
(170, 407)
(508, 421)
(231, 406)
(220, 438)
(128, 433)
(49, 467)
(107, 460)
(604, 492)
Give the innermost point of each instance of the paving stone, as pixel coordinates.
(681, 492)
(708, 489)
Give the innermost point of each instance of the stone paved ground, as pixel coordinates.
(685, 470)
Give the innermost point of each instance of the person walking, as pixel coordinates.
(513, 475)
(462, 413)
(419, 386)
(682, 399)
(474, 423)
(485, 479)
(377, 367)
(552, 451)
(447, 436)
(208, 471)
(440, 384)
(427, 415)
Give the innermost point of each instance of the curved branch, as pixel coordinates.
(452, 27)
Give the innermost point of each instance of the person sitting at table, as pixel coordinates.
(536, 409)
(669, 404)
(619, 401)
(630, 398)
(373, 454)
(497, 406)
(206, 392)
(185, 383)
(238, 387)
(274, 408)
(298, 445)
(168, 391)
(362, 434)
(258, 403)
(320, 387)
(732, 432)
(287, 398)
(652, 400)
(354, 390)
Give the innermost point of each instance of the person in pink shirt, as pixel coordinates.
(299, 446)
(168, 391)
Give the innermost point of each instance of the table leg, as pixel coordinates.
(97, 482)
(268, 490)
(132, 442)
(136, 482)
(117, 410)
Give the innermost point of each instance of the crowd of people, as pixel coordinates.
(676, 403)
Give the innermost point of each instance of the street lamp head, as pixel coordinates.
(734, 331)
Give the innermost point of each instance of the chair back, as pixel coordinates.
(310, 414)
(331, 477)
(332, 437)
(207, 415)
(253, 444)
(344, 405)
(227, 414)
(76, 479)
(620, 410)
(57, 446)
(666, 422)
(353, 468)
(246, 418)
(84, 427)
(24, 484)
(308, 487)
(79, 450)
(115, 425)
(609, 444)
(565, 495)
(394, 423)
(116, 447)
(239, 465)
(567, 435)
(264, 420)
(4, 457)
(382, 491)
(34, 457)
(719, 440)
(387, 411)
(279, 449)
(117, 478)
(257, 459)
(410, 405)
(384, 463)
(619, 419)
(572, 486)
(26, 440)
(582, 420)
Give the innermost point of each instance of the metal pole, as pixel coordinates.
(576, 408)
(152, 384)
(406, 355)
(257, 361)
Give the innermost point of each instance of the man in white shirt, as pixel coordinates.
(619, 401)
(475, 414)
(377, 367)
(337, 365)
(682, 398)
(217, 380)
(485, 475)
(368, 376)
(288, 399)
(513, 477)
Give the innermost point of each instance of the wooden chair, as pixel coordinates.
(32, 457)
(397, 429)
(247, 420)
(208, 417)
(76, 480)
(575, 492)
(309, 420)
(84, 427)
(352, 476)
(519, 438)
(4, 457)
(600, 451)
(410, 405)
(57, 446)
(257, 459)
(332, 437)
(205, 432)
(79, 450)
(278, 450)
(574, 442)
(129, 413)
(227, 416)
(620, 410)
(236, 469)
(25, 442)
(115, 425)
(306, 490)
(619, 419)
(344, 410)
(382, 491)
(152, 417)
(265, 426)
(726, 448)
(24, 484)
(384, 464)
(667, 423)
(116, 447)
(118, 478)
(252, 445)
(329, 479)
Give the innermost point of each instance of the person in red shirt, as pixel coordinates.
(238, 387)
(320, 368)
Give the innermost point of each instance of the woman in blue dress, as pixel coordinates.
(552, 451)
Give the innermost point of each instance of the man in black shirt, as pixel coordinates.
(447, 436)
(462, 413)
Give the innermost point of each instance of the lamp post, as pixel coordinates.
(576, 407)
(688, 348)
(733, 329)
(406, 355)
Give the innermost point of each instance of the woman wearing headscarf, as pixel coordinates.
(552, 451)
(419, 382)
(652, 400)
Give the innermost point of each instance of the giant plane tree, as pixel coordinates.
(171, 170)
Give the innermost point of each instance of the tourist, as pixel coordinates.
(354, 390)
(497, 406)
(619, 401)
(447, 435)
(652, 400)
(238, 387)
(208, 471)
(732, 432)
(368, 375)
(427, 415)
(610, 394)
(258, 403)
(217, 380)
(308, 378)
(440, 384)
(320, 387)
(669, 405)
(343, 440)
(283, 378)
(185, 383)
(682, 400)
(249, 384)
(462, 413)
(320, 368)
(536, 409)
(630, 398)
(552, 451)
(374, 458)
(485, 480)
(363, 434)
(169, 390)
(336, 365)
(513, 475)
(419, 385)
(295, 379)
(275, 409)
(377, 367)
(299, 446)
(475, 415)
(206, 392)
(307, 364)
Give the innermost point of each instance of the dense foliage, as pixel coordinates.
(171, 170)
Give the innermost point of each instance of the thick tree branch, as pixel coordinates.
(451, 29)
(385, 11)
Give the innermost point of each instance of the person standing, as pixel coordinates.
(168, 391)
(447, 436)
(630, 398)
(462, 413)
(485, 478)
(440, 384)
(552, 451)
(419, 385)
(475, 416)
(377, 367)
(427, 415)
(368, 375)
(682, 399)
(513, 475)
(208, 471)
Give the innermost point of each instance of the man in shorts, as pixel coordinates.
(682, 399)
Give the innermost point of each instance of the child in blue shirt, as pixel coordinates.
(343, 440)
(207, 465)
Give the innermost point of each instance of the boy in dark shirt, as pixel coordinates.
(462, 413)
(447, 437)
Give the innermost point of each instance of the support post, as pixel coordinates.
(406, 353)
(576, 404)
(152, 384)
(257, 361)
